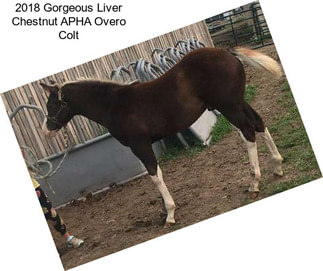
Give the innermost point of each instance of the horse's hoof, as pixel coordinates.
(253, 191)
(278, 173)
(253, 194)
(169, 224)
(254, 187)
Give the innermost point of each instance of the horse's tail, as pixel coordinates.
(257, 60)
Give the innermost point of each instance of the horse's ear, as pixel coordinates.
(50, 88)
(52, 82)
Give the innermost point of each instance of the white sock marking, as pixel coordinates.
(254, 162)
(274, 153)
(168, 200)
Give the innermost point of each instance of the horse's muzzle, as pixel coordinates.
(46, 132)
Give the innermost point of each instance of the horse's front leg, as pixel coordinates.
(168, 200)
(143, 150)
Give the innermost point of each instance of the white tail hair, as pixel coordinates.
(258, 60)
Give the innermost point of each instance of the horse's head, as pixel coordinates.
(58, 111)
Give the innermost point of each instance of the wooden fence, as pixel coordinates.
(27, 123)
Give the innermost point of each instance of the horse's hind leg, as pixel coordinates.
(274, 153)
(247, 132)
(263, 131)
(254, 162)
(144, 152)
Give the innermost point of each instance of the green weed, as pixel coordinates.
(274, 188)
(294, 145)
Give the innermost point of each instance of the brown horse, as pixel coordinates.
(140, 113)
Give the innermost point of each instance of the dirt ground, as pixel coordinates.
(204, 185)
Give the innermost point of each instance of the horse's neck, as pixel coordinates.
(90, 102)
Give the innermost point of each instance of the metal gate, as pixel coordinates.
(243, 26)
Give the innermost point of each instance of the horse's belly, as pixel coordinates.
(177, 121)
(190, 118)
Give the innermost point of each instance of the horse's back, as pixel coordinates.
(204, 78)
(217, 76)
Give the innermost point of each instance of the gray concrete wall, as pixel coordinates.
(92, 167)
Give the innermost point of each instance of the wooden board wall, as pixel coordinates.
(27, 123)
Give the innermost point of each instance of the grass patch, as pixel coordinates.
(175, 147)
(294, 145)
(289, 126)
(274, 188)
(222, 128)
(285, 86)
(250, 92)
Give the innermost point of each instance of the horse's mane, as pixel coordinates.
(85, 81)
